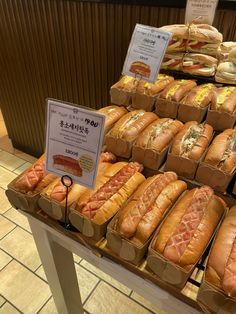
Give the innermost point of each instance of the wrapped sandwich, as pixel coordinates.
(226, 73)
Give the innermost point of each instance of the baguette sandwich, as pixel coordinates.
(159, 134)
(225, 48)
(224, 99)
(35, 179)
(222, 152)
(113, 189)
(200, 96)
(192, 140)
(232, 56)
(202, 38)
(220, 270)
(199, 64)
(226, 73)
(113, 114)
(187, 230)
(139, 219)
(176, 90)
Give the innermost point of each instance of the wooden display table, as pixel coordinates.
(55, 246)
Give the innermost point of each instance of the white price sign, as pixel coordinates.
(146, 51)
(73, 141)
(202, 10)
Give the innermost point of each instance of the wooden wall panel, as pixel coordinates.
(69, 50)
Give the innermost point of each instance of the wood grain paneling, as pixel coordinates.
(68, 50)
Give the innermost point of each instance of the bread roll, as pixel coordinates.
(192, 140)
(159, 134)
(224, 99)
(153, 89)
(147, 206)
(187, 230)
(220, 270)
(105, 201)
(200, 96)
(132, 124)
(176, 90)
(226, 73)
(113, 114)
(222, 151)
(126, 83)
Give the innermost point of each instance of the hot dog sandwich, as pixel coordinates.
(200, 96)
(113, 114)
(176, 90)
(224, 99)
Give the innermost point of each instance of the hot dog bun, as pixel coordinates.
(187, 230)
(176, 90)
(126, 83)
(141, 205)
(192, 140)
(153, 89)
(220, 270)
(199, 96)
(221, 153)
(159, 134)
(224, 99)
(132, 124)
(113, 114)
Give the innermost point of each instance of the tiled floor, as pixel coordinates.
(23, 285)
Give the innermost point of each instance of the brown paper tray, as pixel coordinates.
(148, 157)
(142, 101)
(52, 209)
(166, 108)
(120, 97)
(220, 121)
(190, 113)
(213, 300)
(118, 146)
(215, 178)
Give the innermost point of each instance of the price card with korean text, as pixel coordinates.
(202, 10)
(146, 52)
(73, 141)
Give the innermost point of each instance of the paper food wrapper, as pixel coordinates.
(52, 209)
(190, 113)
(142, 101)
(118, 146)
(166, 108)
(120, 97)
(220, 121)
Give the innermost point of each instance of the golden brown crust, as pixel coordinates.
(176, 90)
(153, 89)
(126, 83)
(224, 99)
(132, 124)
(159, 134)
(172, 220)
(221, 250)
(199, 96)
(163, 202)
(221, 154)
(113, 114)
(192, 140)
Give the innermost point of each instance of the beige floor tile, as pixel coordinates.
(106, 278)
(49, 308)
(40, 272)
(10, 161)
(146, 303)
(22, 288)
(22, 168)
(4, 259)
(2, 300)
(86, 280)
(5, 226)
(20, 244)
(24, 156)
(77, 259)
(106, 299)
(6, 177)
(4, 204)
(8, 309)
(16, 217)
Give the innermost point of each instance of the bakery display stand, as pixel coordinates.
(55, 249)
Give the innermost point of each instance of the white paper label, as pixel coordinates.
(73, 142)
(202, 10)
(146, 51)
